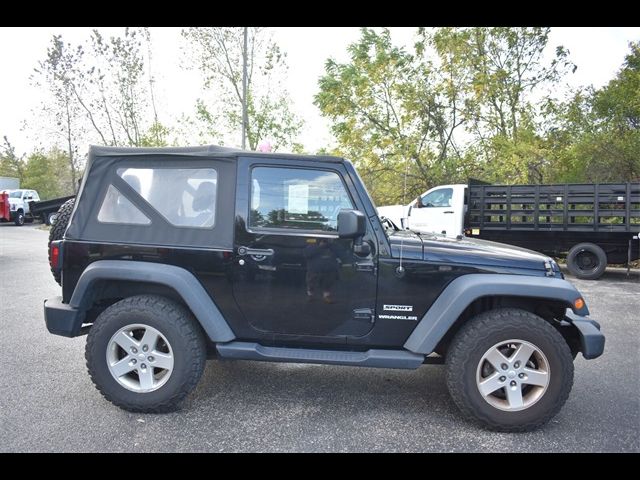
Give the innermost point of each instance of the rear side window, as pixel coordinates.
(297, 198)
(186, 197)
(116, 208)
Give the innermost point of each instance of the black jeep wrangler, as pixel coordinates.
(174, 255)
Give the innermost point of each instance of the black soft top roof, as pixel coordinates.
(202, 151)
(101, 173)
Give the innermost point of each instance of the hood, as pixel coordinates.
(469, 251)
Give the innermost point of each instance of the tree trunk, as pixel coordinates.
(70, 146)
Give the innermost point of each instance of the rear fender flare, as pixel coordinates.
(179, 279)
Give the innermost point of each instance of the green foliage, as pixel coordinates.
(48, 173)
(596, 135)
(156, 136)
(388, 117)
(476, 102)
(10, 164)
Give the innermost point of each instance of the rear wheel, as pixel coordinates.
(50, 218)
(587, 261)
(19, 218)
(509, 369)
(145, 353)
(59, 225)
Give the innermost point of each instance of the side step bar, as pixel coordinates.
(370, 358)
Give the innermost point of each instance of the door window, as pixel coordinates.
(438, 198)
(297, 198)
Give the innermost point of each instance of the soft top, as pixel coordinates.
(202, 151)
(102, 183)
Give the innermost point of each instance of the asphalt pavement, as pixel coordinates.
(48, 403)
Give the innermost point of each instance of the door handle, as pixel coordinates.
(365, 314)
(365, 266)
(448, 211)
(255, 251)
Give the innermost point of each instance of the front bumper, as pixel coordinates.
(588, 333)
(61, 318)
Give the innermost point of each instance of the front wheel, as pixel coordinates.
(19, 219)
(509, 369)
(145, 353)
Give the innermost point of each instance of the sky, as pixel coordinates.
(598, 53)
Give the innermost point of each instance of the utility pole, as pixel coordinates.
(244, 90)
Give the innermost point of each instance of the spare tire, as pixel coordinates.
(58, 228)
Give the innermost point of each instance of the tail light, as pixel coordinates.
(55, 255)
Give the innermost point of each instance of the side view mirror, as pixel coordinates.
(419, 203)
(351, 224)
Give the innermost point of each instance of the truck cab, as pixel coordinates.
(439, 210)
(175, 254)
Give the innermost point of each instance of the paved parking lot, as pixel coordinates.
(48, 403)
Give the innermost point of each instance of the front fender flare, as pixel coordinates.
(464, 290)
(179, 279)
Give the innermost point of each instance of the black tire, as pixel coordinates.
(483, 332)
(587, 261)
(57, 230)
(19, 218)
(182, 332)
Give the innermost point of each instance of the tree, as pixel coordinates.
(47, 173)
(108, 86)
(503, 65)
(10, 164)
(61, 73)
(118, 73)
(388, 115)
(596, 133)
(218, 54)
(464, 103)
(505, 78)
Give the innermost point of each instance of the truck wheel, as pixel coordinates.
(145, 354)
(58, 228)
(509, 369)
(19, 218)
(587, 261)
(50, 218)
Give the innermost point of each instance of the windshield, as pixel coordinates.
(16, 194)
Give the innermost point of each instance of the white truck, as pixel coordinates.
(590, 224)
(439, 210)
(19, 209)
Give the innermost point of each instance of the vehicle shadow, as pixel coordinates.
(322, 389)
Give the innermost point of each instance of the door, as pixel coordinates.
(292, 274)
(435, 213)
